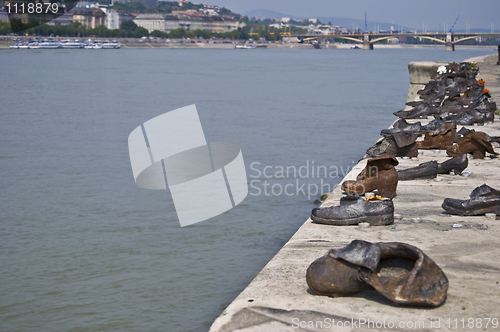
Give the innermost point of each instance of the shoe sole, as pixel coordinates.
(379, 220)
(477, 212)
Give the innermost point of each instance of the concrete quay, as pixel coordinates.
(466, 248)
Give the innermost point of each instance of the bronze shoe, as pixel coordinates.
(476, 143)
(428, 170)
(334, 277)
(404, 274)
(379, 174)
(455, 164)
(399, 271)
(400, 144)
(440, 138)
(353, 212)
(483, 199)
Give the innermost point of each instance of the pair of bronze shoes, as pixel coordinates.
(430, 169)
(400, 272)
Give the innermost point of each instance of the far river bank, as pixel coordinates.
(7, 41)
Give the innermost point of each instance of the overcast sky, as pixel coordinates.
(411, 13)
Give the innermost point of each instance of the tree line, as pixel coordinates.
(128, 29)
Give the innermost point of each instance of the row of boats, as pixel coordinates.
(53, 44)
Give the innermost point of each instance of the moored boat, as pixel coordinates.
(71, 44)
(245, 47)
(112, 44)
(49, 44)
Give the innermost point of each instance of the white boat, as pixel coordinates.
(16, 46)
(97, 46)
(32, 45)
(51, 44)
(112, 44)
(245, 47)
(71, 44)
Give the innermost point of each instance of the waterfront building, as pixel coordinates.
(89, 17)
(167, 23)
(114, 18)
(151, 22)
(217, 24)
(171, 23)
(184, 23)
(64, 19)
(196, 24)
(206, 23)
(3, 15)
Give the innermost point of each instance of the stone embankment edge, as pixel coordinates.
(278, 298)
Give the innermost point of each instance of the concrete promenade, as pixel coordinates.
(278, 299)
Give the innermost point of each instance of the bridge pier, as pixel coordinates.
(449, 45)
(366, 42)
(367, 45)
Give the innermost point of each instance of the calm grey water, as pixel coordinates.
(82, 248)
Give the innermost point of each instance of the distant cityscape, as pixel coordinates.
(161, 18)
(180, 15)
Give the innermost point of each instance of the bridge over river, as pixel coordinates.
(368, 39)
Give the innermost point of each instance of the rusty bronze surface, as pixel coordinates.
(441, 138)
(475, 143)
(333, 277)
(379, 174)
(400, 272)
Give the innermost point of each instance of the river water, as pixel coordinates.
(82, 248)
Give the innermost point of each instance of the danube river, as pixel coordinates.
(82, 248)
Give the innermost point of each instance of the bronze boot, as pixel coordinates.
(379, 174)
(455, 164)
(441, 138)
(475, 143)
